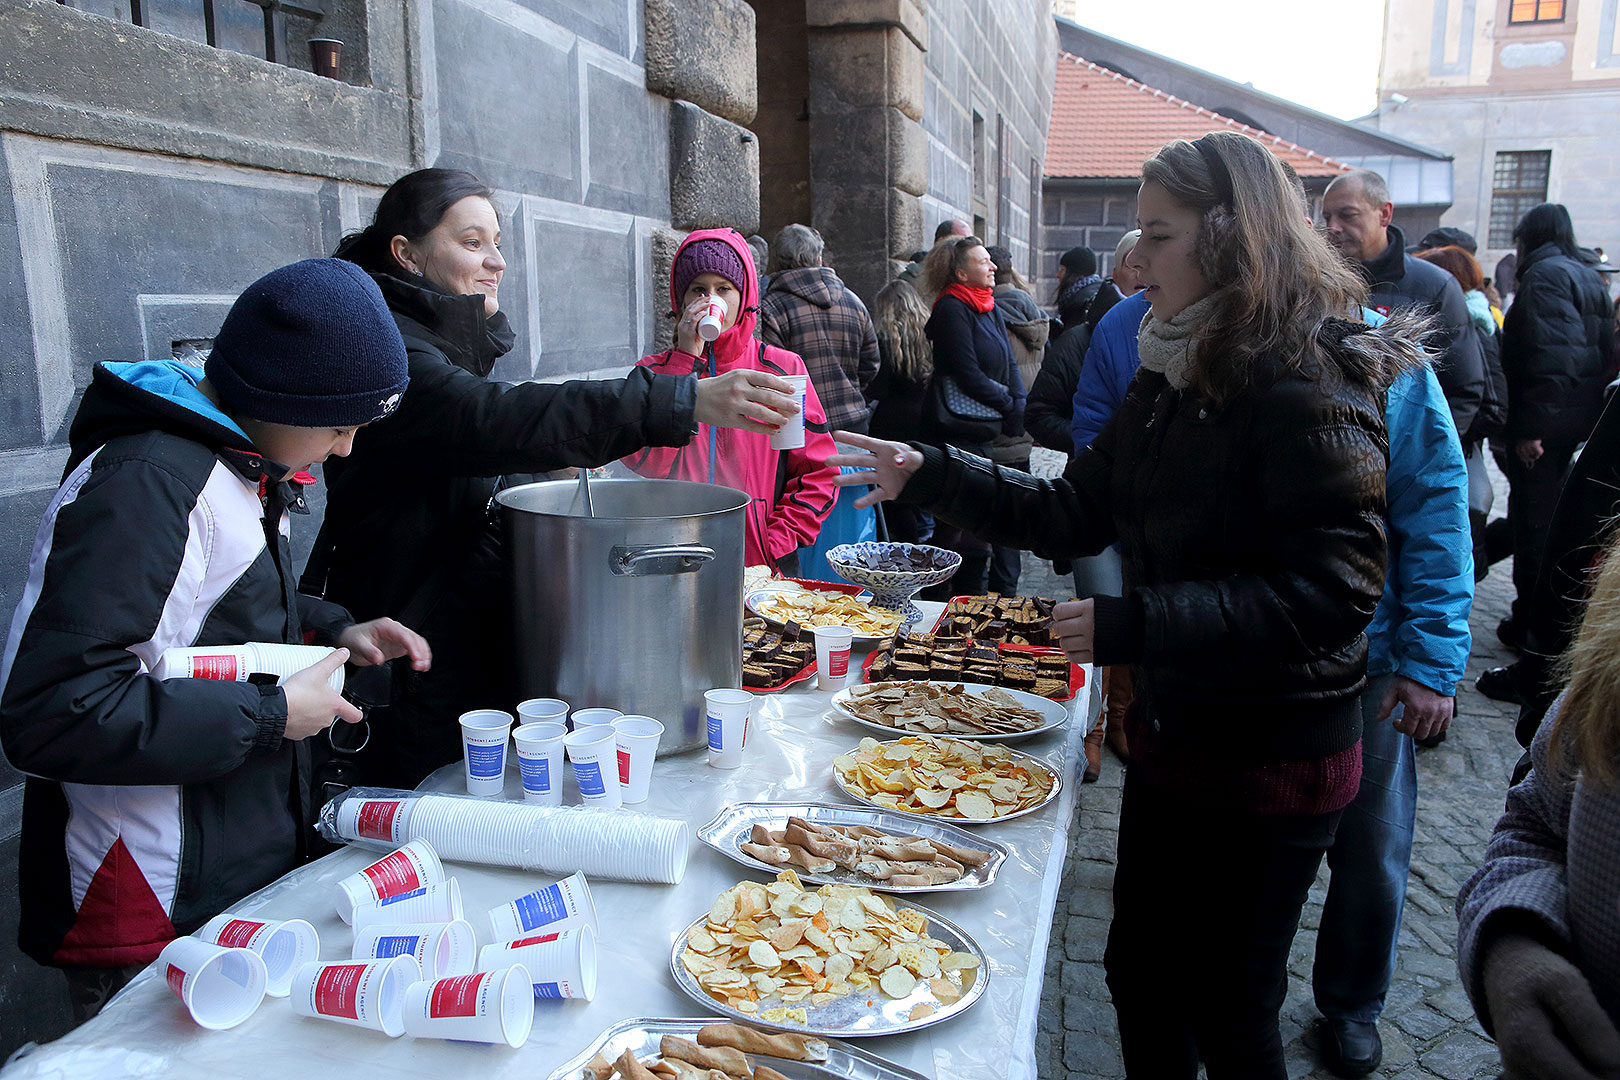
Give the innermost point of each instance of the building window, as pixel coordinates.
(1534, 11)
(1518, 183)
(978, 151)
(256, 27)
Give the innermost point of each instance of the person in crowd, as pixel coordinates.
(1122, 281)
(906, 362)
(1418, 650)
(1244, 474)
(948, 229)
(761, 250)
(1027, 330)
(1449, 236)
(1356, 212)
(809, 311)
(1077, 286)
(1538, 922)
(416, 542)
(793, 490)
(1555, 354)
(1492, 414)
(151, 806)
(974, 394)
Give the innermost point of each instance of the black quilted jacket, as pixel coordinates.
(1556, 343)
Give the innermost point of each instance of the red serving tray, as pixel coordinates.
(806, 672)
(827, 586)
(1077, 674)
(953, 600)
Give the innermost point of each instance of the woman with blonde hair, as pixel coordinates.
(905, 363)
(1539, 935)
(1244, 479)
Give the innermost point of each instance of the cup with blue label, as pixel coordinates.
(484, 733)
(439, 949)
(593, 753)
(540, 757)
(440, 903)
(560, 964)
(728, 726)
(563, 905)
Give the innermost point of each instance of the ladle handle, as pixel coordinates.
(665, 559)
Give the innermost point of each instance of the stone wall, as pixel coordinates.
(1083, 213)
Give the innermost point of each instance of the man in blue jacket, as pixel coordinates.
(1418, 648)
(1109, 368)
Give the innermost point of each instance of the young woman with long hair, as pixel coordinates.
(1244, 479)
(905, 363)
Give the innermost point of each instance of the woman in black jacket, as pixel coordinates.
(905, 362)
(406, 527)
(1244, 478)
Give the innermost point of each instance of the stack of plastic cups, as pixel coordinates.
(404, 871)
(728, 726)
(623, 847)
(439, 903)
(368, 994)
(283, 946)
(561, 964)
(466, 830)
(441, 950)
(540, 756)
(220, 987)
(593, 753)
(484, 733)
(387, 820)
(491, 1007)
(636, 741)
(543, 710)
(584, 718)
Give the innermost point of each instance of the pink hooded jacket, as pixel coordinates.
(793, 490)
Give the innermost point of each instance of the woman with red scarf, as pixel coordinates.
(973, 366)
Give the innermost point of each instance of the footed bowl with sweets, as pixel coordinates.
(894, 572)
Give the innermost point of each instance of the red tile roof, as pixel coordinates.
(1105, 125)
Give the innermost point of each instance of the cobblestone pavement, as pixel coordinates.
(1428, 1026)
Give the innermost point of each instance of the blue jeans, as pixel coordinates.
(1369, 861)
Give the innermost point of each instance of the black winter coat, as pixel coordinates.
(1556, 342)
(973, 348)
(407, 509)
(1254, 547)
(1050, 408)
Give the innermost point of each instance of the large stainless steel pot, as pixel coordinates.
(639, 607)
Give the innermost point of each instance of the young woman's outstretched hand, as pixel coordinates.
(886, 466)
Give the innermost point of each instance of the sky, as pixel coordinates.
(1320, 54)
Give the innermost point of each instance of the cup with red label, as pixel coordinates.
(790, 436)
(561, 965)
(563, 905)
(361, 993)
(483, 743)
(728, 726)
(832, 656)
(438, 903)
(439, 949)
(636, 744)
(540, 757)
(406, 870)
(491, 1007)
(220, 987)
(593, 753)
(712, 318)
(374, 819)
(542, 710)
(283, 945)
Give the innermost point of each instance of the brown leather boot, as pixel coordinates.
(1093, 747)
(1121, 693)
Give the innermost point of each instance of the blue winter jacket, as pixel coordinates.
(1420, 629)
(1110, 365)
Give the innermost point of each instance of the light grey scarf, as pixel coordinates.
(1166, 347)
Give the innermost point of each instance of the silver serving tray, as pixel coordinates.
(849, 1017)
(1055, 712)
(1022, 758)
(642, 1035)
(730, 828)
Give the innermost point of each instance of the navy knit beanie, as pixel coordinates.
(309, 345)
(706, 256)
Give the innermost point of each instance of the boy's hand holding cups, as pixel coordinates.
(312, 704)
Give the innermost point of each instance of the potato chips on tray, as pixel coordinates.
(932, 776)
(838, 960)
(938, 708)
(814, 607)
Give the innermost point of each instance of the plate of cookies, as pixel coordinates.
(960, 710)
(936, 657)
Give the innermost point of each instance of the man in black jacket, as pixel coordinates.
(1357, 212)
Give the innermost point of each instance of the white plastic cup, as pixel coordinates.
(790, 436)
(728, 726)
(220, 987)
(441, 950)
(374, 819)
(593, 753)
(234, 663)
(540, 757)
(543, 710)
(283, 946)
(368, 994)
(832, 656)
(490, 1007)
(712, 322)
(483, 743)
(562, 905)
(584, 718)
(440, 903)
(559, 965)
(406, 870)
(636, 742)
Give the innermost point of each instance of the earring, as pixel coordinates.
(417, 272)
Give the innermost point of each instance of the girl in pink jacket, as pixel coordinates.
(792, 490)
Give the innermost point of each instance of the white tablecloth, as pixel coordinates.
(146, 1032)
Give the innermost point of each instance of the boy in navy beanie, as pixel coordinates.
(152, 805)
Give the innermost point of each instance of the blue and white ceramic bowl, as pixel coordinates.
(892, 589)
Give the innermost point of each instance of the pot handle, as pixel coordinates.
(667, 559)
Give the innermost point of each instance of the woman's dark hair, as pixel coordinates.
(1548, 223)
(412, 207)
